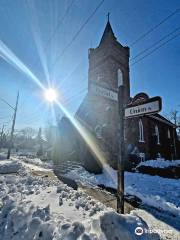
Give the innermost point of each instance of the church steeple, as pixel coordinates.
(108, 62)
(108, 32)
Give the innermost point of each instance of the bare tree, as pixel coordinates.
(28, 132)
(174, 116)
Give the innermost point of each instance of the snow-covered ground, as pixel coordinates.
(35, 161)
(155, 191)
(160, 163)
(33, 207)
(28, 157)
(7, 166)
(40, 208)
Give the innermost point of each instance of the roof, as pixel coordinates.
(162, 119)
(108, 33)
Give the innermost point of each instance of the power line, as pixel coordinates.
(55, 31)
(78, 32)
(145, 50)
(155, 49)
(6, 103)
(73, 97)
(58, 24)
(154, 27)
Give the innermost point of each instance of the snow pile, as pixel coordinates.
(25, 222)
(8, 166)
(39, 208)
(80, 174)
(160, 163)
(162, 193)
(35, 161)
(18, 222)
(108, 178)
(118, 227)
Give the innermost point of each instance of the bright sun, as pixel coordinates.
(50, 95)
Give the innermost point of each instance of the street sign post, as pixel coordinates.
(148, 107)
(120, 163)
(151, 106)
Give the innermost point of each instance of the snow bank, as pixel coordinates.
(19, 222)
(80, 174)
(35, 161)
(118, 227)
(39, 208)
(162, 193)
(160, 163)
(8, 166)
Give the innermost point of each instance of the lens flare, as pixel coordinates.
(50, 95)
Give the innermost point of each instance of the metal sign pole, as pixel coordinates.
(120, 172)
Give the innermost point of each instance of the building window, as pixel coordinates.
(157, 134)
(142, 156)
(98, 131)
(100, 77)
(141, 131)
(120, 78)
(169, 134)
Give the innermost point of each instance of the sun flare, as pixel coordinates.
(50, 95)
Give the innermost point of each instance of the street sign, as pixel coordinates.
(104, 92)
(152, 105)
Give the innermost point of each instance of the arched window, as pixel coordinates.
(141, 131)
(157, 134)
(98, 131)
(120, 78)
(168, 134)
(100, 77)
(142, 156)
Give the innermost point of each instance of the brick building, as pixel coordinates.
(146, 137)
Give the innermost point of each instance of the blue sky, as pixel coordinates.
(28, 29)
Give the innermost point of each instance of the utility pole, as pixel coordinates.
(120, 172)
(12, 129)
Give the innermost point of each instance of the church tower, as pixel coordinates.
(108, 65)
(108, 62)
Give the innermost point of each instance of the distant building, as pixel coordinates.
(146, 137)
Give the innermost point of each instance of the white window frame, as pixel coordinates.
(120, 77)
(142, 156)
(157, 134)
(98, 131)
(99, 77)
(141, 131)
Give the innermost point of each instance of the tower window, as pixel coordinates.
(157, 134)
(120, 78)
(98, 131)
(168, 134)
(141, 131)
(100, 77)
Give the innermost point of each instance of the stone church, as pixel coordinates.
(146, 137)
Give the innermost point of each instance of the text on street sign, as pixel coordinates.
(153, 105)
(107, 93)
